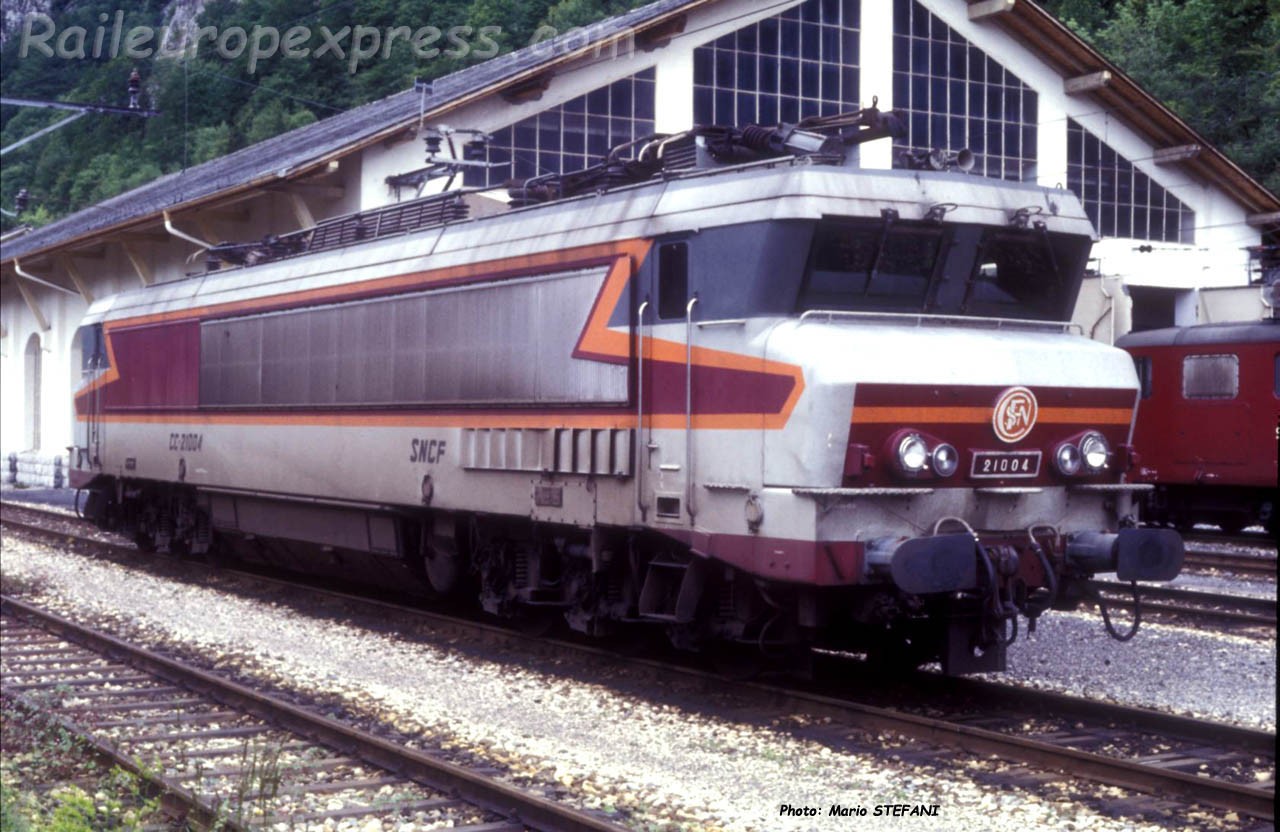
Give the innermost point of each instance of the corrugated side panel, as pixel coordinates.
(509, 342)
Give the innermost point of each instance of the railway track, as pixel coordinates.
(1151, 752)
(1235, 562)
(1191, 605)
(1261, 539)
(1174, 757)
(238, 758)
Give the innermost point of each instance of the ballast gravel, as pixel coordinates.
(660, 766)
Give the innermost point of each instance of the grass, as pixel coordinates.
(53, 782)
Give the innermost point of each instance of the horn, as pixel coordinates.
(965, 160)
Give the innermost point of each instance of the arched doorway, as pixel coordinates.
(34, 358)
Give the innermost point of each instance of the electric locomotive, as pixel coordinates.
(727, 385)
(1206, 422)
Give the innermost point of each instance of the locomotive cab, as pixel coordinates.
(86, 455)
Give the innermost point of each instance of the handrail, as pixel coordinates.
(641, 459)
(688, 406)
(921, 318)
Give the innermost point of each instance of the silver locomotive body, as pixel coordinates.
(782, 404)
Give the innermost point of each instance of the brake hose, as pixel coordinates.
(1106, 615)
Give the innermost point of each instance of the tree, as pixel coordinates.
(1216, 63)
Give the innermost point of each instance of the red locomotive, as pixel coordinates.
(1207, 422)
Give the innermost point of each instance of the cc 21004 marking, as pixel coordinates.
(186, 441)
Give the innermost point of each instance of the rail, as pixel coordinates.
(1220, 608)
(493, 796)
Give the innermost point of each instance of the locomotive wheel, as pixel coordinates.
(443, 564)
(444, 571)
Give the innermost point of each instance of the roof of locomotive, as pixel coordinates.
(792, 188)
(1243, 332)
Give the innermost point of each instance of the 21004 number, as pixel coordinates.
(1016, 464)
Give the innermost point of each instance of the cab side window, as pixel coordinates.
(93, 351)
(673, 280)
(1142, 364)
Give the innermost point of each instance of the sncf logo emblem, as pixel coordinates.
(1015, 414)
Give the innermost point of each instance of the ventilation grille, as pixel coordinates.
(599, 451)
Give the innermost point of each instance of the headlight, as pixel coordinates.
(1095, 451)
(1068, 459)
(945, 460)
(913, 454)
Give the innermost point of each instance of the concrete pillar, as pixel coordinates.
(875, 72)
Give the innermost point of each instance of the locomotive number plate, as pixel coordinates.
(1005, 464)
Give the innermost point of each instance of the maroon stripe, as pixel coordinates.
(158, 366)
(716, 390)
(921, 395)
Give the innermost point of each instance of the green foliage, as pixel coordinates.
(11, 817)
(1216, 63)
(1084, 16)
(74, 811)
(119, 805)
(567, 14)
(38, 751)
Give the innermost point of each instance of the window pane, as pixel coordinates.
(1120, 199)
(1210, 377)
(761, 72)
(1143, 365)
(673, 280)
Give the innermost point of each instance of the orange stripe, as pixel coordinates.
(599, 338)
(108, 375)
(982, 415)
(406, 281)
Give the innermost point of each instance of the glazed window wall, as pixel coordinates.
(956, 96)
(1121, 200)
(801, 63)
(573, 135)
